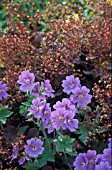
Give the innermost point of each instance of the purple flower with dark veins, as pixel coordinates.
(80, 162)
(38, 90)
(58, 117)
(48, 91)
(14, 152)
(91, 156)
(72, 124)
(34, 147)
(3, 89)
(103, 166)
(70, 84)
(26, 80)
(37, 108)
(81, 96)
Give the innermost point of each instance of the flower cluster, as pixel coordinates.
(26, 80)
(64, 119)
(3, 89)
(32, 149)
(80, 94)
(43, 89)
(92, 161)
(63, 115)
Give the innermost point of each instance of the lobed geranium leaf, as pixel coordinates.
(4, 114)
(22, 129)
(47, 155)
(30, 165)
(64, 144)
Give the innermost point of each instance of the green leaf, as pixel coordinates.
(83, 130)
(65, 144)
(47, 155)
(4, 114)
(22, 129)
(24, 108)
(84, 138)
(74, 153)
(30, 165)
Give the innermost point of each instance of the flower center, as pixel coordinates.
(71, 85)
(81, 96)
(91, 161)
(33, 147)
(69, 120)
(27, 80)
(46, 112)
(60, 118)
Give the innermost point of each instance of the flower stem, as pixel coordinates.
(67, 161)
(44, 133)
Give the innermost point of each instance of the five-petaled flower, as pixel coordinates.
(26, 80)
(59, 117)
(70, 84)
(34, 147)
(37, 108)
(81, 96)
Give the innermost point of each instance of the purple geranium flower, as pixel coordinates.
(38, 90)
(91, 156)
(72, 124)
(34, 147)
(58, 117)
(14, 152)
(3, 89)
(80, 162)
(47, 88)
(37, 107)
(26, 80)
(46, 112)
(67, 104)
(81, 96)
(70, 84)
(103, 166)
